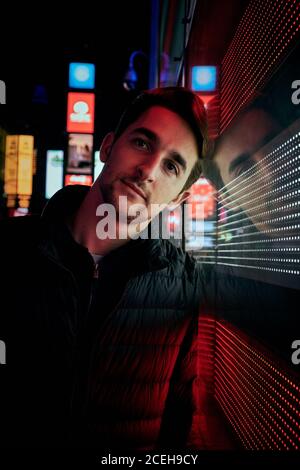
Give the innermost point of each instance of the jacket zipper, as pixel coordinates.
(92, 355)
(96, 271)
(94, 286)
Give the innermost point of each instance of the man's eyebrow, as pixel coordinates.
(155, 139)
(244, 157)
(147, 132)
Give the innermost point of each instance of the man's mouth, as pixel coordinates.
(135, 188)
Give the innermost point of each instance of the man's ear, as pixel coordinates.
(179, 200)
(106, 146)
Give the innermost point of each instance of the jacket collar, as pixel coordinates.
(135, 256)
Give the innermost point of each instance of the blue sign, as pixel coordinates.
(82, 75)
(204, 78)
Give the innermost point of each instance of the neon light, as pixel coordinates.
(204, 78)
(258, 396)
(54, 172)
(82, 75)
(80, 114)
(85, 180)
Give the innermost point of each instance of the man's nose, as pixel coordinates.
(147, 170)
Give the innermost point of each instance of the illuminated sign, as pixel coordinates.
(54, 172)
(98, 165)
(18, 169)
(82, 75)
(25, 165)
(85, 180)
(11, 165)
(80, 154)
(204, 78)
(202, 194)
(81, 109)
(21, 212)
(34, 161)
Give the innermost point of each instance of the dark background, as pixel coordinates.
(37, 44)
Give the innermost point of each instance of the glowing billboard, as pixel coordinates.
(204, 78)
(85, 180)
(54, 172)
(18, 169)
(25, 165)
(80, 154)
(202, 193)
(81, 75)
(11, 165)
(80, 112)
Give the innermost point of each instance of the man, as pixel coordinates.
(253, 236)
(101, 330)
(246, 177)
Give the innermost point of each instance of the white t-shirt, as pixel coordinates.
(96, 257)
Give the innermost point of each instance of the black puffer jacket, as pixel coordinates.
(114, 361)
(111, 362)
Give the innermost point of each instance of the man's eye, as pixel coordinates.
(141, 143)
(238, 171)
(243, 168)
(171, 167)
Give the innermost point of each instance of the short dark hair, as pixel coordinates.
(181, 101)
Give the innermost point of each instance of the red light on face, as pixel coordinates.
(85, 180)
(80, 115)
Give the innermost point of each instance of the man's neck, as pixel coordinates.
(84, 222)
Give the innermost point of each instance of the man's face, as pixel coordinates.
(150, 162)
(240, 149)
